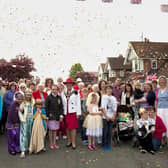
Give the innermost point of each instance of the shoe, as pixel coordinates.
(90, 147)
(85, 142)
(22, 155)
(109, 148)
(64, 137)
(94, 147)
(56, 146)
(13, 153)
(73, 147)
(57, 137)
(51, 146)
(105, 148)
(143, 151)
(44, 149)
(69, 145)
(152, 152)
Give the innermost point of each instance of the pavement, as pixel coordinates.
(122, 156)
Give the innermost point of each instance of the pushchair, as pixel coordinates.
(124, 125)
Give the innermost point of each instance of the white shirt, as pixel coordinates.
(109, 103)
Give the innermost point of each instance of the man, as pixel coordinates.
(72, 109)
(117, 90)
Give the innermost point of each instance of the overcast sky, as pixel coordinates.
(58, 33)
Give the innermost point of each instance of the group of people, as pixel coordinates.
(30, 110)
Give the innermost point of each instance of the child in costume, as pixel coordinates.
(93, 122)
(37, 142)
(26, 122)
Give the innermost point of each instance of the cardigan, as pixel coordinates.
(123, 99)
(54, 107)
(159, 128)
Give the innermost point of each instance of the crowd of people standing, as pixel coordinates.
(30, 110)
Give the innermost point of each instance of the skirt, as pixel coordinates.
(163, 114)
(93, 125)
(53, 125)
(71, 121)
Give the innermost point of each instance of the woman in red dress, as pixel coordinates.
(72, 109)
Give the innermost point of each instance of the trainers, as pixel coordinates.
(51, 146)
(94, 147)
(152, 152)
(143, 151)
(64, 137)
(85, 142)
(90, 147)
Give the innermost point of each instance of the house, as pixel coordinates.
(115, 68)
(148, 58)
(101, 71)
(87, 77)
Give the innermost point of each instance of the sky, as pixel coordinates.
(59, 33)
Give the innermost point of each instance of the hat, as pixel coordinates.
(78, 80)
(38, 102)
(19, 95)
(69, 81)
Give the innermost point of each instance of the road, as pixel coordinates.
(123, 156)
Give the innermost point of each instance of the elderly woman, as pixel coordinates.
(40, 94)
(162, 102)
(13, 123)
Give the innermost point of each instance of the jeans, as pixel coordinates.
(156, 143)
(107, 133)
(82, 129)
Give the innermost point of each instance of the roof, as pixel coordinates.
(147, 49)
(117, 63)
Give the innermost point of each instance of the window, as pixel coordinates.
(112, 74)
(154, 64)
(121, 73)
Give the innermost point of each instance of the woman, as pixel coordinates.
(102, 90)
(127, 98)
(13, 123)
(149, 97)
(162, 104)
(72, 109)
(40, 94)
(48, 85)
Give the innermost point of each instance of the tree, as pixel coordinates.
(75, 69)
(19, 67)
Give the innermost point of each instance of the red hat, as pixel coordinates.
(69, 81)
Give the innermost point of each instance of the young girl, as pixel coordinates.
(93, 122)
(26, 122)
(37, 142)
(54, 109)
(109, 104)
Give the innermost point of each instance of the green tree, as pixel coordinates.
(75, 69)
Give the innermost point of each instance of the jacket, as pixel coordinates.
(36, 95)
(74, 103)
(54, 107)
(123, 99)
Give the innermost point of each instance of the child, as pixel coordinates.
(159, 128)
(109, 104)
(145, 130)
(26, 122)
(37, 142)
(83, 116)
(93, 122)
(12, 125)
(54, 109)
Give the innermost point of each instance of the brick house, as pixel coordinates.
(87, 77)
(148, 58)
(115, 67)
